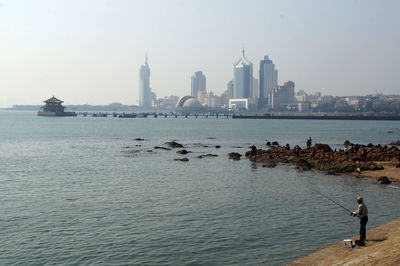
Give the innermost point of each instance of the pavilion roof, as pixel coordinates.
(53, 100)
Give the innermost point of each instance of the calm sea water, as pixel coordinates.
(81, 190)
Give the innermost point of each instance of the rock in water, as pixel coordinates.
(383, 180)
(182, 160)
(347, 143)
(182, 152)
(207, 155)
(161, 148)
(302, 165)
(174, 144)
(269, 165)
(322, 147)
(234, 156)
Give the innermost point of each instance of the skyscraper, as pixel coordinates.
(198, 83)
(243, 78)
(268, 80)
(145, 94)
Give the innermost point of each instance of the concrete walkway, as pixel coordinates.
(382, 248)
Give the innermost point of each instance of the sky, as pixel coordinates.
(90, 51)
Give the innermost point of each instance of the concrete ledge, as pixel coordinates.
(382, 248)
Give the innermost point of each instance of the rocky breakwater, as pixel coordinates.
(323, 158)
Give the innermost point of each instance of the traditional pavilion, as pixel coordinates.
(53, 107)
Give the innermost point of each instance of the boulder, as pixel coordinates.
(370, 145)
(347, 143)
(275, 143)
(138, 139)
(234, 156)
(322, 147)
(268, 143)
(302, 165)
(217, 146)
(397, 143)
(182, 152)
(269, 164)
(383, 180)
(207, 155)
(182, 159)
(161, 148)
(174, 144)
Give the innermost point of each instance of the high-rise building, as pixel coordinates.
(198, 83)
(243, 78)
(268, 80)
(255, 91)
(282, 96)
(230, 88)
(145, 95)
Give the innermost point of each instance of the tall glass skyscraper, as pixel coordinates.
(145, 91)
(243, 78)
(268, 80)
(198, 83)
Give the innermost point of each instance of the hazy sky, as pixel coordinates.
(91, 51)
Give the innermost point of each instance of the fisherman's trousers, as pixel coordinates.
(363, 230)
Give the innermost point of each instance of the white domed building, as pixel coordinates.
(189, 104)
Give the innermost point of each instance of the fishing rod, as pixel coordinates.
(332, 200)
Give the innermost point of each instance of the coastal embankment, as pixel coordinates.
(382, 248)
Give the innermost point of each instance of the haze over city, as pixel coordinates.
(90, 52)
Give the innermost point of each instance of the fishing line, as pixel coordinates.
(331, 200)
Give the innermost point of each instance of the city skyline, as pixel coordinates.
(89, 51)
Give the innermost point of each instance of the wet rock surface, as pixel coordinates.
(174, 144)
(383, 180)
(161, 148)
(183, 152)
(207, 155)
(323, 158)
(182, 159)
(234, 156)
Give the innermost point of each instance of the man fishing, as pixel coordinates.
(361, 213)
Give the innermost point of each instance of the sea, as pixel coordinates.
(83, 191)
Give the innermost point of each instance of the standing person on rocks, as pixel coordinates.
(361, 213)
(309, 142)
(253, 150)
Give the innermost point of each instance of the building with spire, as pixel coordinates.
(145, 95)
(268, 80)
(243, 78)
(198, 84)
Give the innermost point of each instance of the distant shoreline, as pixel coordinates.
(320, 117)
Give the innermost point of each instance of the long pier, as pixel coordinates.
(239, 116)
(156, 115)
